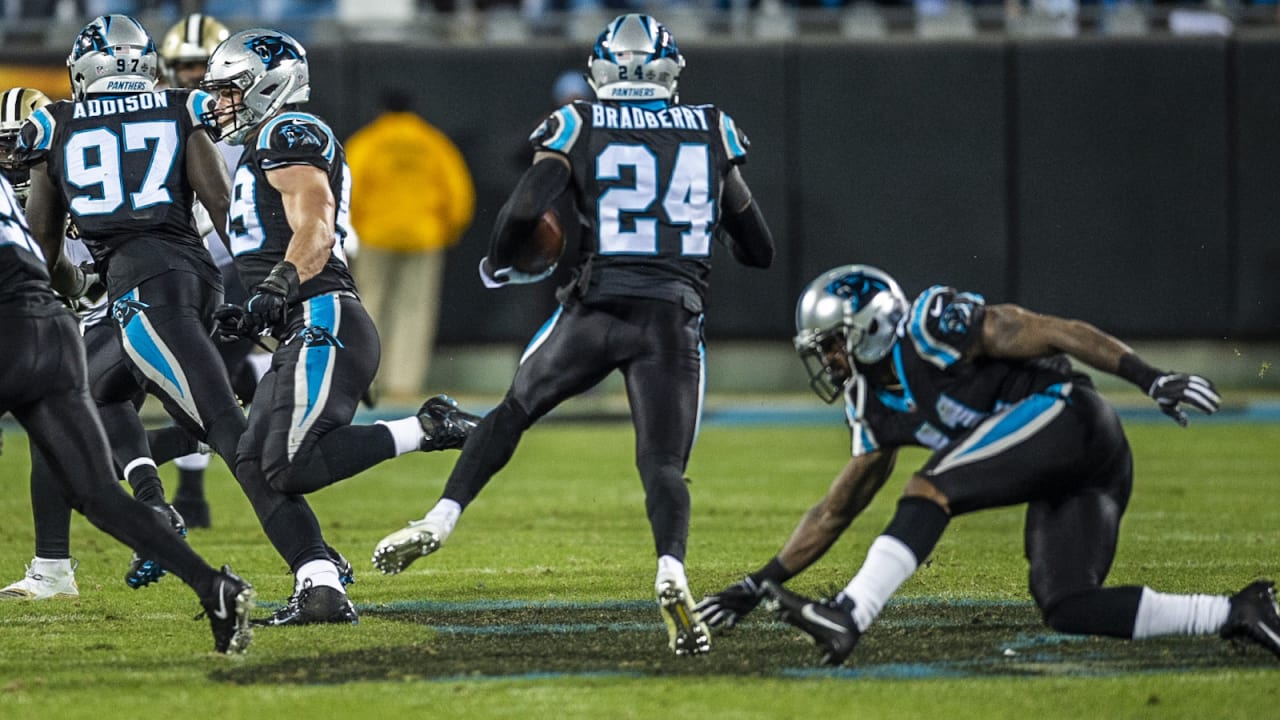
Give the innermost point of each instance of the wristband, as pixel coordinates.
(1133, 369)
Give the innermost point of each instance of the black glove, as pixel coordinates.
(269, 304)
(727, 607)
(228, 323)
(1173, 389)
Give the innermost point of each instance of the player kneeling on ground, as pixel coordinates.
(990, 389)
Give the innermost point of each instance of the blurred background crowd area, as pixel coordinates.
(44, 23)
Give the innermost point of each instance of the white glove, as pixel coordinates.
(509, 276)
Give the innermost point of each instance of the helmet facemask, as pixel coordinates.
(825, 357)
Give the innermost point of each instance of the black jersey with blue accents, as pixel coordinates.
(24, 279)
(647, 179)
(260, 232)
(939, 390)
(120, 164)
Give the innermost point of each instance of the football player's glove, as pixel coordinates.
(1173, 389)
(724, 609)
(509, 276)
(227, 322)
(269, 304)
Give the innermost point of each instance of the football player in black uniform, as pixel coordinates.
(44, 385)
(289, 216)
(126, 163)
(656, 181)
(991, 390)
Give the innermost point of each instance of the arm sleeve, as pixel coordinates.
(749, 238)
(536, 191)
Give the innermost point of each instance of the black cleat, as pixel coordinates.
(144, 572)
(829, 622)
(1254, 617)
(311, 605)
(444, 425)
(228, 608)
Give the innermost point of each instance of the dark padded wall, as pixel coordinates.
(1131, 182)
(753, 89)
(1256, 107)
(1121, 193)
(899, 162)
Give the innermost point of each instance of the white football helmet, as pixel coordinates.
(189, 42)
(635, 58)
(267, 67)
(853, 311)
(16, 105)
(113, 54)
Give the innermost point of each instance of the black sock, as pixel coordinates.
(145, 482)
(190, 484)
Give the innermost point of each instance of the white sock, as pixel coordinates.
(670, 568)
(889, 563)
(194, 461)
(320, 572)
(444, 516)
(405, 432)
(51, 567)
(1167, 614)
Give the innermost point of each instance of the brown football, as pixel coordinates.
(542, 248)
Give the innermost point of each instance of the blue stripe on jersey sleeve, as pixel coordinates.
(731, 138)
(568, 129)
(935, 352)
(43, 120)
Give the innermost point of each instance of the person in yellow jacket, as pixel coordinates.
(412, 198)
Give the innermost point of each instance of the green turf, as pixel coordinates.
(540, 605)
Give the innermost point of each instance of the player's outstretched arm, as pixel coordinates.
(749, 237)
(819, 528)
(1010, 331)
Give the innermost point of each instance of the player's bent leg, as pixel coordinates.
(489, 448)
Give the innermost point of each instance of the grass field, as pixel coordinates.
(540, 605)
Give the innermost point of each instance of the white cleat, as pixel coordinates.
(398, 550)
(45, 580)
(686, 633)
